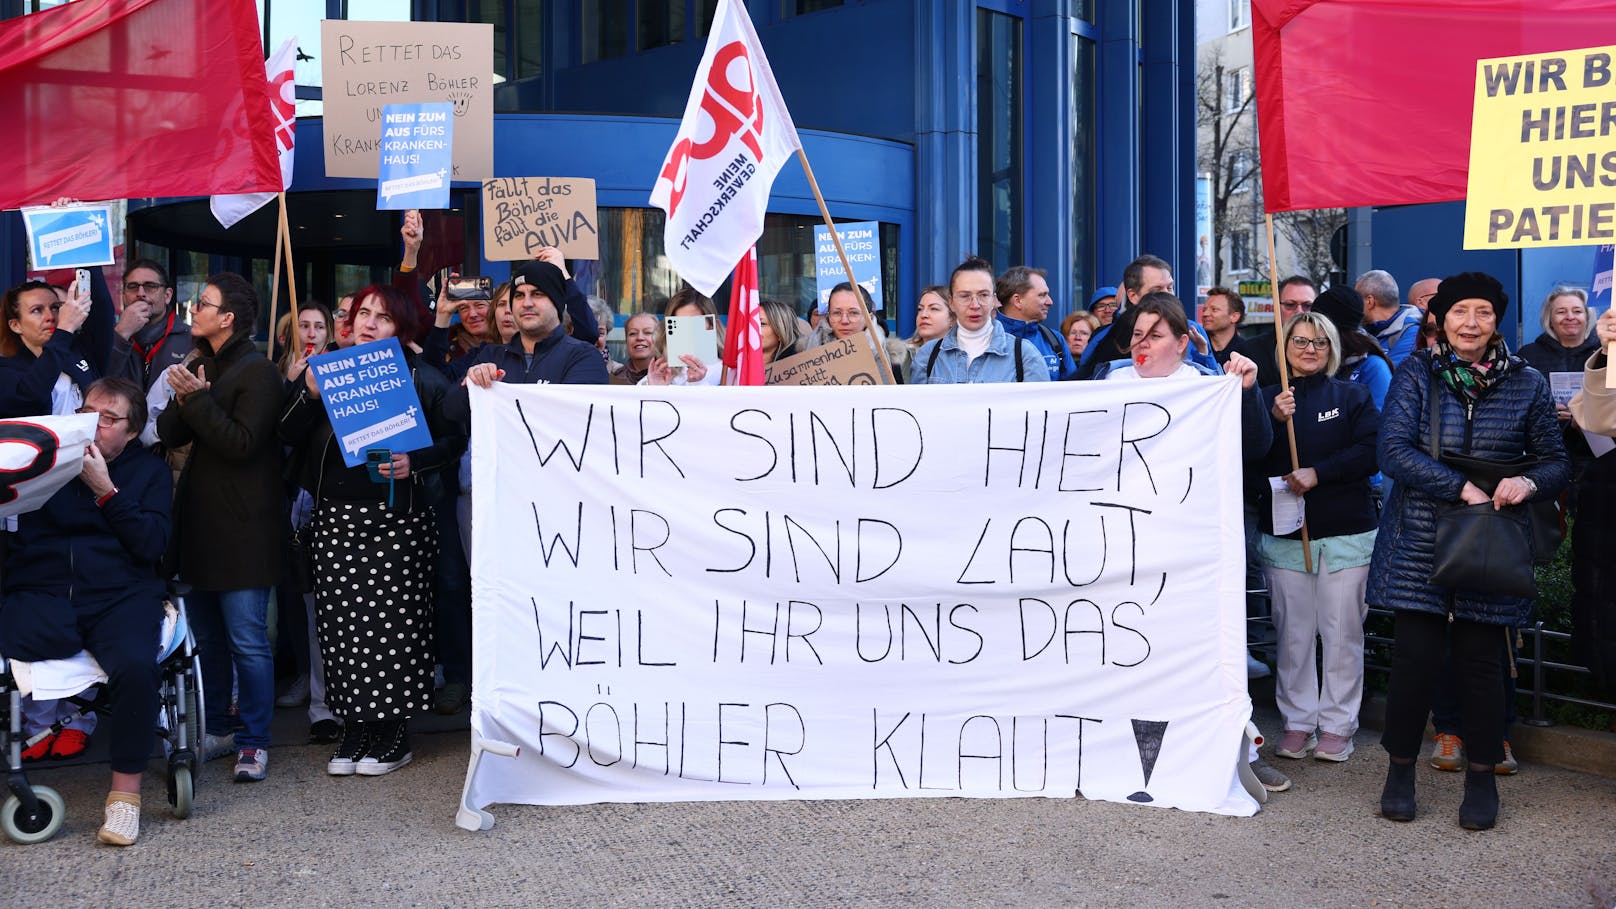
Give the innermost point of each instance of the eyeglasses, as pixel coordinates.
(1296, 307)
(1105, 307)
(1315, 343)
(981, 296)
(107, 420)
(136, 287)
(842, 315)
(200, 305)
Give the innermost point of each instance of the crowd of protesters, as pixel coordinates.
(256, 503)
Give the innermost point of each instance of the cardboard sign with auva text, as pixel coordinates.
(522, 215)
(842, 361)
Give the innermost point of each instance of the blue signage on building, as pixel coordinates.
(370, 397)
(417, 154)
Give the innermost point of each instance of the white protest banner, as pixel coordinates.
(805, 593)
(735, 136)
(38, 456)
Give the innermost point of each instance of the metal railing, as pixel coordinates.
(1532, 669)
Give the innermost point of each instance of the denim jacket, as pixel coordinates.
(996, 364)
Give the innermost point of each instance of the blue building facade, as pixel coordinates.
(1054, 133)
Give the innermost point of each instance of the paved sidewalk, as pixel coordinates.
(304, 839)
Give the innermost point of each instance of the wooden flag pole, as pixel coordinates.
(1285, 381)
(880, 349)
(291, 267)
(275, 273)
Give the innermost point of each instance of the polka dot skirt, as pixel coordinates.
(373, 570)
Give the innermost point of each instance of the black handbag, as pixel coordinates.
(1479, 547)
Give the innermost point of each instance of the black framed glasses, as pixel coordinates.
(1315, 343)
(135, 287)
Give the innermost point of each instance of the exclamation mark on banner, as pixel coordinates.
(1147, 734)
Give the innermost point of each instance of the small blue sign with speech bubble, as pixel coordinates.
(417, 155)
(370, 397)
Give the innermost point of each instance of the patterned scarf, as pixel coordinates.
(1471, 381)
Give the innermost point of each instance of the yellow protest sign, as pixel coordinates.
(1543, 151)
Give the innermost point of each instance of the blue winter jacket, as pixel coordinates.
(1056, 357)
(26, 381)
(996, 364)
(1400, 333)
(1516, 417)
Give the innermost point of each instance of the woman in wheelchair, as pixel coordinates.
(83, 573)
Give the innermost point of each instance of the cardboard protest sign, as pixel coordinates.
(371, 64)
(370, 397)
(417, 140)
(943, 591)
(71, 236)
(842, 361)
(522, 215)
(1543, 151)
(38, 456)
(861, 241)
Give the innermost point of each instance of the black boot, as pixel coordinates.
(1479, 810)
(1397, 799)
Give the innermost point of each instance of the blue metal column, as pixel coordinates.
(1167, 159)
(945, 139)
(1047, 191)
(1118, 138)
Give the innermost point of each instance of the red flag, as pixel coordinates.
(116, 99)
(743, 344)
(1367, 102)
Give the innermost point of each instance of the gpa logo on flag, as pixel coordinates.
(733, 106)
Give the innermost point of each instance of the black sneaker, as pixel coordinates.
(389, 750)
(325, 732)
(353, 745)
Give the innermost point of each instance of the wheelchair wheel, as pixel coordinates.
(180, 791)
(39, 828)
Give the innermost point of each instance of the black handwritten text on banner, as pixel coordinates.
(796, 593)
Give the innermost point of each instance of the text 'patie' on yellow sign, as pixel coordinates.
(1543, 151)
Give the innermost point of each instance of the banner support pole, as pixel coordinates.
(275, 273)
(880, 349)
(1285, 378)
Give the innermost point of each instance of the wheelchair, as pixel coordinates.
(33, 814)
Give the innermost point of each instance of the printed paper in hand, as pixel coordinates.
(1564, 385)
(1289, 509)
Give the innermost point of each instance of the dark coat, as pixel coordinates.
(71, 554)
(317, 464)
(557, 360)
(229, 514)
(1336, 426)
(1516, 417)
(151, 351)
(1547, 355)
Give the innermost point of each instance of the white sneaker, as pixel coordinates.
(297, 694)
(217, 746)
(122, 825)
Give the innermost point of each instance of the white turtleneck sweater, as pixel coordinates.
(974, 343)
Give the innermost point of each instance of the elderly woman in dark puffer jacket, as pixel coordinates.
(1495, 407)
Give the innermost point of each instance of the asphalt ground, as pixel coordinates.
(305, 839)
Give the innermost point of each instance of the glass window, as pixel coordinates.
(492, 12)
(1083, 147)
(529, 38)
(998, 137)
(1083, 9)
(1240, 165)
(1239, 14)
(605, 29)
(300, 18)
(705, 11)
(662, 22)
(1240, 250)
(377, 10)
(1238, 89)
(800, 7)
(633, 275)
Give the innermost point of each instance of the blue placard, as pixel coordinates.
(416, 156)
(76, 236)
(861, 240)
(370, 398)
(1604, 260)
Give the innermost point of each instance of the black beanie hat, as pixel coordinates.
(1342, 306)
(544, 276)
(1470, 285)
